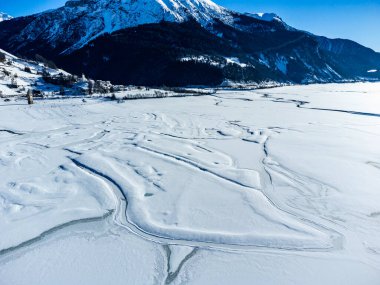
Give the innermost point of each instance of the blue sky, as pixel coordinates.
(358, 20)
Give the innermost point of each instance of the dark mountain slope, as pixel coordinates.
(348, 57)
(161, 54)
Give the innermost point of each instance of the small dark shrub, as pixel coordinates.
(2, 57)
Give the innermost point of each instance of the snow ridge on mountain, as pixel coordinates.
(5, 17)
(268, 17)
(84, 20)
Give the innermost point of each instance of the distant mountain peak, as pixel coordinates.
(85, 20)
(4, 17)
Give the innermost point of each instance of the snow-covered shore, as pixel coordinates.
(272, 186)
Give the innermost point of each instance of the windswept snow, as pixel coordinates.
(276, 186)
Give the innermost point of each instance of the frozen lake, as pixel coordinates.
(272, 186)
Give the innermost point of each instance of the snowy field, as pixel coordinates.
(277, 186)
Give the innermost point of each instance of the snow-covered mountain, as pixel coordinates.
(146, 42)
(80, 21)
(4, 17)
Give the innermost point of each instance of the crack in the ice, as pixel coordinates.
(88, 168)
(11, 132)
(374, 215)
(72, 151)
(345, 111)
(171, 276)
(193, 164)
(266, 153)
(301, 104)
(374, 164)
(53, 230)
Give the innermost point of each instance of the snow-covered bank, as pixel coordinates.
(17, 76)
(282, 181)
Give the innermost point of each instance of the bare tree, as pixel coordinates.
(2, 57)
(91, 84)
(29, 95)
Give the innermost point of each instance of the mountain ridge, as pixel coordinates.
(162, 33)
(84, 20)
(5, 17)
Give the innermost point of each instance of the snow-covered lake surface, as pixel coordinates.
(277, 186)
